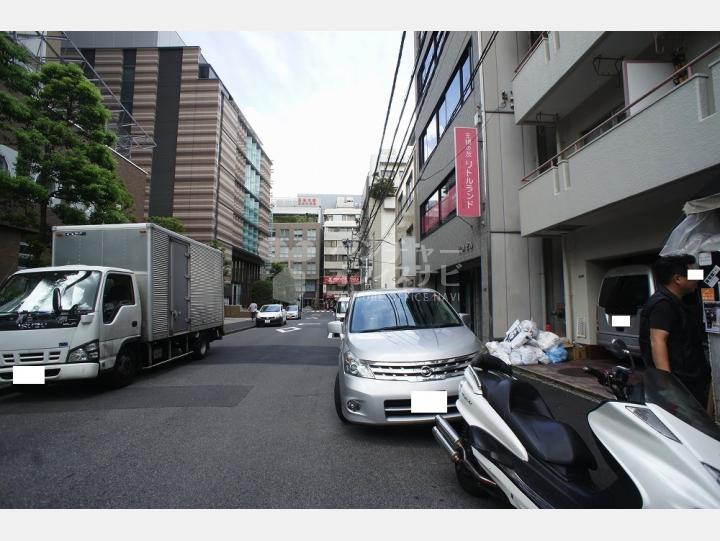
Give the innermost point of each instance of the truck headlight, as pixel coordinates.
(86, 353)
(356, 367)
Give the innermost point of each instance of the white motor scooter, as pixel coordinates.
(660, 443)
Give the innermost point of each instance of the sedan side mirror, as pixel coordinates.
(334, 328)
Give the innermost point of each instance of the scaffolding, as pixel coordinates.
(58, 47)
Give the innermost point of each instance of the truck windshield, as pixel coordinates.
(402, 311)
(32, 292)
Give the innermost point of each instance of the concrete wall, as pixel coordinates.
(135, 180)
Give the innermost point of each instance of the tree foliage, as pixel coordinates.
(261, 292)
(170, 222)
(56, 120)
(382, 188)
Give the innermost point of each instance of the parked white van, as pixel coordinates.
(623, 292)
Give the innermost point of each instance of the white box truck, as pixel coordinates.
(117, 298)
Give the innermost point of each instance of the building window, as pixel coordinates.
(430, 60)
(312, 267)
(297, 268)
(456, 92)
(283, 252)
(285, 234)
(440, 207)
(296, 251)
(312, 234)
(298, 234)
(331, 243)
(311, 252)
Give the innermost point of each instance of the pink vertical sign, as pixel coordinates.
(467, 172)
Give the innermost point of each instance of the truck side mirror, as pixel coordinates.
(57, 301)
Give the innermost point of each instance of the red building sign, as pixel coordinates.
(467, 172)
(341, 279)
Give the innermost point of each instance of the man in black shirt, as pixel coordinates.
(671, 331)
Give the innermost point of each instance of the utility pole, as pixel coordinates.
(348, 245)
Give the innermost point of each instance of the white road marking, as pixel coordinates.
(289, 329)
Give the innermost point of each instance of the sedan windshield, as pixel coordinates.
(270, 308)
(33, 292)
(292, 308)
(401, 311)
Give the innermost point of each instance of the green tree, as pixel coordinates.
(170, 222)
(56, 120)
(261, 292)
(382, 188)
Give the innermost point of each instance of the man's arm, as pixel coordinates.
(658, 343)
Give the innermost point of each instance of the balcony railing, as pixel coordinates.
(620, 116)
(535, 44)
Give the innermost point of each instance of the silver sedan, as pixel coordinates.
(402, 356)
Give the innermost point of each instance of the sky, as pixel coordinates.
(317, 100)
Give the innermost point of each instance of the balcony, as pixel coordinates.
(560, 70)
(675, 137)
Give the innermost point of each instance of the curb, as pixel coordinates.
(241, 327)
(582, 393)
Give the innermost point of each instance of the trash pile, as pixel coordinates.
(524, 343)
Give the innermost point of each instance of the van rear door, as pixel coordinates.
(624, 291)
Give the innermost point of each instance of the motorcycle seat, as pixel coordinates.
(526, 413)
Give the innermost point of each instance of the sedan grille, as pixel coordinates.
(422, 370)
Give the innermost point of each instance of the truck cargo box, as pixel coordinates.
(180, 279)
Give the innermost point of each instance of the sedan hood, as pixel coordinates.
(413, 345)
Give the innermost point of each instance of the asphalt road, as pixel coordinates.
(251, 426)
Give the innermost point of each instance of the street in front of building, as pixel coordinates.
(252, 425)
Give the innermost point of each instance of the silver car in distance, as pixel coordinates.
(402, 356)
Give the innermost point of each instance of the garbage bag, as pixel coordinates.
(501, 350)
(558, 354)
(548, 340)
(513, 331)
(530, 327)
(525, 355)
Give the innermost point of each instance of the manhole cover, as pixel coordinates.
(574, 372)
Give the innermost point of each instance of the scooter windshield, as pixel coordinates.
(665, 390)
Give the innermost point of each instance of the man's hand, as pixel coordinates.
(658, 344)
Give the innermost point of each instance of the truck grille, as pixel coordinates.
(32, 357)
(401, 408)
(420, 371)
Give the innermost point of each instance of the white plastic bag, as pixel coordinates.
(513, 331)
(501, 350)
(548, 340)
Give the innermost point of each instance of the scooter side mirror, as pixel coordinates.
(621, 346)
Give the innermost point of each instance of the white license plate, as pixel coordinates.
(428, 402)
(28, 375)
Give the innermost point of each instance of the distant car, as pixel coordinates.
(270, 314)
(396, 345)
(293, 312)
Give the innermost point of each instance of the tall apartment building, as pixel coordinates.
(483, 264)
(296, 242)
(628, 129)
(377, 223)
(339, 242)
(208, 167)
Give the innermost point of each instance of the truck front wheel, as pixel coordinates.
(124, 370)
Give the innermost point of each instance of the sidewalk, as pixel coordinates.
(237, 324)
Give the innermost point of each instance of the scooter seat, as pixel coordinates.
(526, 413)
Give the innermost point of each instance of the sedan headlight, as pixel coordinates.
(356, 367)
(86, 353)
